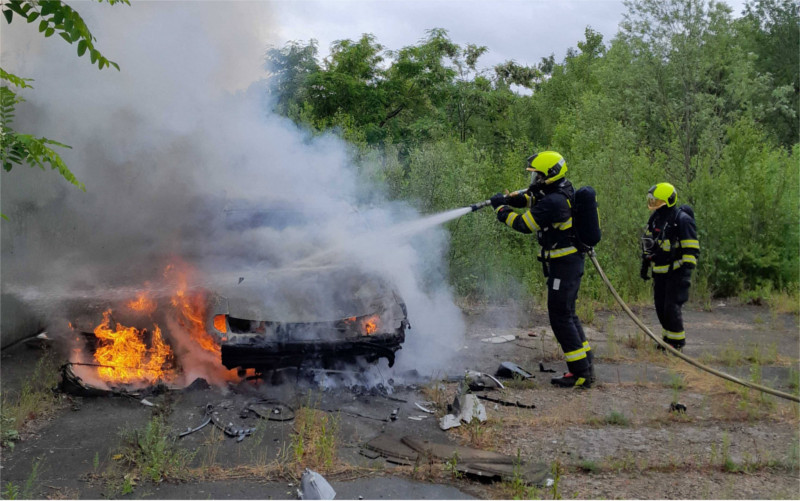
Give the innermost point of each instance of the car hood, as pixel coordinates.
(316, 294)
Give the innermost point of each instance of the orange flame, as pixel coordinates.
(192, 311)
(371, 325)
(143, 303)
(124, 351)
(126, 358)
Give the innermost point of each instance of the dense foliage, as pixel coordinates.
(684, 93)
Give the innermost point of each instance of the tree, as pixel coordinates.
(289, 68)
(54, 17)
(770, 30)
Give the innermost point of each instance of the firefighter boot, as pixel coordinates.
(570, 380)
(677, 344)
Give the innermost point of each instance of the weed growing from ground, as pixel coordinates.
(677, 383)
(585, 310)
(520, 383)
(781, 302)
(436, 392)
(35, 399)
(558, 470)
(794, 380)
(589, 466)
(258, 449)
(211, 446)
(153, 453)
(728, 464)
(314, 439)
(617, 418)
(29, 488)
(516, 487)
(451, 466)
(612, 344)
(731, 355)
(10, 491)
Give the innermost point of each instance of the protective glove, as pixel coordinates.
(644, 272)
(686, 275)
(498, 200)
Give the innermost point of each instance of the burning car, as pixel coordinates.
(188, 324)
(291, 316)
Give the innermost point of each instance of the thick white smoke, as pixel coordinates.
(166, 144)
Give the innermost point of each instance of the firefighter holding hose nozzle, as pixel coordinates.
(549, 200)
(669, 249)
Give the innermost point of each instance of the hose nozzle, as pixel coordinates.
(481, 205)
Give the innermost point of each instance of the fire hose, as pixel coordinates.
(481, 205)
(677, 353)
(661, 343)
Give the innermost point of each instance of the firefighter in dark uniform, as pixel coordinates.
(670, 249)
(549, 199)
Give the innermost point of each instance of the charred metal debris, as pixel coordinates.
(271, 410)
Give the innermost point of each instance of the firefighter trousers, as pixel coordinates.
(563, 282)
(670, 292)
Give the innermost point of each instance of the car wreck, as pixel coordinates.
(325, 315)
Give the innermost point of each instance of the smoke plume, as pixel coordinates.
(173, 145)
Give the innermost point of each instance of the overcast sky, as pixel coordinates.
(522, 30)
(240, 31)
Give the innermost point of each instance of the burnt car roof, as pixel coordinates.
(306, 294)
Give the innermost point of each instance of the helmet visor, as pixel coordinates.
(654, 203)
(536, 177)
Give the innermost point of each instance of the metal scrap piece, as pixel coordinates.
(423, 408)
(542, 369)
(506, 402)
(509, 370)
(314, 486)
(499, 339)
(209, 409)
(449, 421)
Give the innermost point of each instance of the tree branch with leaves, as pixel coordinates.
(54, 17)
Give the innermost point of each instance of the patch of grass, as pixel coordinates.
(256, 445)
(211, 445)
(558, 471)
(520, 383)
(766, 357)
(612, 343)
(621, 464)
(617, 418)
(153, 453)
(794, 380)
(314, 439)
(436, 392)
(516, 487)
(29, 488)
(731, 355)
(644, 346)
(589, 466)
(10, 491)
(782, 302)
(451, 466)
(584, 308)
(34, 399)
(728, 464)
(477, 434)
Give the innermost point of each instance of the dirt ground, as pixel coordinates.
(618, 440)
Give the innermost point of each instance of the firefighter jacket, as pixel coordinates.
(549, 216)
(673, 240)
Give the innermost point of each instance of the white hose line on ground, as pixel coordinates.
(677, 353)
